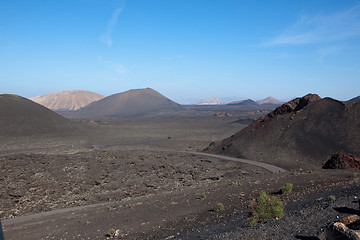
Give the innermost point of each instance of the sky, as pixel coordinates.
(187, 50)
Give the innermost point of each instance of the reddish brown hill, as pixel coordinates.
(269, 100)
(133, 103)
(22, 117)
(304, 132)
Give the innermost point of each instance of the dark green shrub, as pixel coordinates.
(266, 208)
(219, 207)
(203, 196)
(331, 198)
(111, 233)
(287, 188)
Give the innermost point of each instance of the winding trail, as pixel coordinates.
(269, 167)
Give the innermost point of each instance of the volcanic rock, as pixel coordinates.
(343, 161)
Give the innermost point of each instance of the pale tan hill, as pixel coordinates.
(269, 100)
(132, 103)
(209, 101)
(67, 100)
(22, 117)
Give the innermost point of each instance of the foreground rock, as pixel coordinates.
(346, 228)
(343, 161)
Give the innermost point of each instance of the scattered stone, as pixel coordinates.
(347, 232)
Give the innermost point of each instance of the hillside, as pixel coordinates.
(355, 99)
(304, 133)
(247, 102)
(67, 100)
(22, 117)
(132, 103)
(269, 100)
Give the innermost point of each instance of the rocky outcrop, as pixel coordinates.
(290, 107)
(343, 161)
(295, 105)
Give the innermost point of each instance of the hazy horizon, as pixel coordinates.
(186, 50)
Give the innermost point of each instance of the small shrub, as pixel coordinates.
(353, 175)
(331, 198)
(111, 233)
(293, 173)
(203, 196)
(287, 188)
(219, 207)
(266, 208)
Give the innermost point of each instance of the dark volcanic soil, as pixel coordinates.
(113, 177)
(150, 195)
(34, 183)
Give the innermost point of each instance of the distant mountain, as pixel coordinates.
(247, 102)
(304, 132)
(132, 103)
(269, 100)
(67, 100)
(21, 117)
(209, 101)
(355, 99)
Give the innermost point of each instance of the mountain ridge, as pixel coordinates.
(131, 103)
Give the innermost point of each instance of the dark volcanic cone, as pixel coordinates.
(355, 99)
(247, 102)
(133, 103)
(301, 133)
(22, 117)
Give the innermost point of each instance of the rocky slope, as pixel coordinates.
(22, 117)
(304, 132)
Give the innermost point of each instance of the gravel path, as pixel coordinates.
(271, 168)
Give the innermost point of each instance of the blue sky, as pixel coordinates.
(186, 49)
